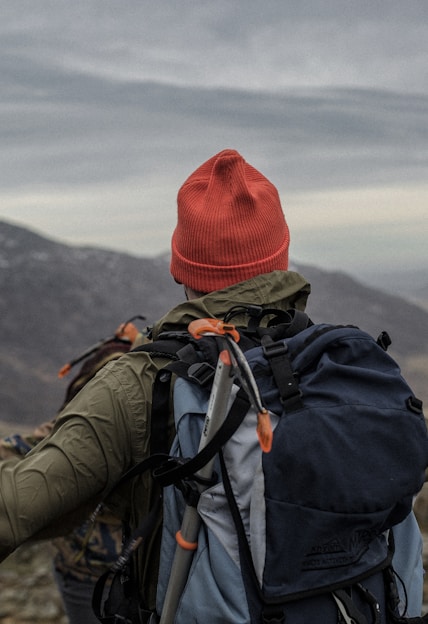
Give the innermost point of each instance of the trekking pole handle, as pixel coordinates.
(243, 372)
(217, 328)
(212, 326)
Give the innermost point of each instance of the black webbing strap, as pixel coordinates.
(159, 442)
(422, 619)
(277, 355)
(149, 463)
(172, 472)
(115, 595)
(167, 349)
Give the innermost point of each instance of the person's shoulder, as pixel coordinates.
(132, 372)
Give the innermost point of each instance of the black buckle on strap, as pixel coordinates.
(202, 373)
(274, 349)
(277, 354)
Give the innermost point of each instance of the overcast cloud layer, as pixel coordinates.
(106, 107)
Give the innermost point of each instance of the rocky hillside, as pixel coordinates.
(56, 300)
(28, 593)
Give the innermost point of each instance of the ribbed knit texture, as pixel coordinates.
(230, 225)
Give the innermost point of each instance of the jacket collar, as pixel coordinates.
(278, 289)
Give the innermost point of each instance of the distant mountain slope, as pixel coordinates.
(339, 298)
(405, 283)
(56, 300)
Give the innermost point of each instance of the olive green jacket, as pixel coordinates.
(105, 430)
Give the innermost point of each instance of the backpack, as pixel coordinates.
(294, 519)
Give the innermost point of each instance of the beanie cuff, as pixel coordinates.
(207, 277)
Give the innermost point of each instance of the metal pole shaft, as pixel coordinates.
(216, 413)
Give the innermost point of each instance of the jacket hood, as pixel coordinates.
(279, 289)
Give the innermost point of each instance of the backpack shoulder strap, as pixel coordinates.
(161, 392)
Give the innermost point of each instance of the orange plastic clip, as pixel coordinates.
(264, 431)
(64, 370)
(199, 327)
(127, 330)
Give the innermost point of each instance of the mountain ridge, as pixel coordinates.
(56, 300)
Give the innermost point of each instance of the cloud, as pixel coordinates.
(275, 45)
(360, 229)
(80, 130)
(106, 107)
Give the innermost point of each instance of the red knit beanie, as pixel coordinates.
(230, 225)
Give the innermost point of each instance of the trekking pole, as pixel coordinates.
(216, 413)
(231, 363)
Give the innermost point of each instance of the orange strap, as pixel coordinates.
(184, 543)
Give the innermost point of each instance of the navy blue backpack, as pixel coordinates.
(305, 532)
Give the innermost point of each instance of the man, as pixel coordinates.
(230, 247)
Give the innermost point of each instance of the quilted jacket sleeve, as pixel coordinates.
(99, 435)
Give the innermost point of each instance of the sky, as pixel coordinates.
(106, 106)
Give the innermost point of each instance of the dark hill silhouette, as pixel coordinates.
(56, 300)
(338, 298)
